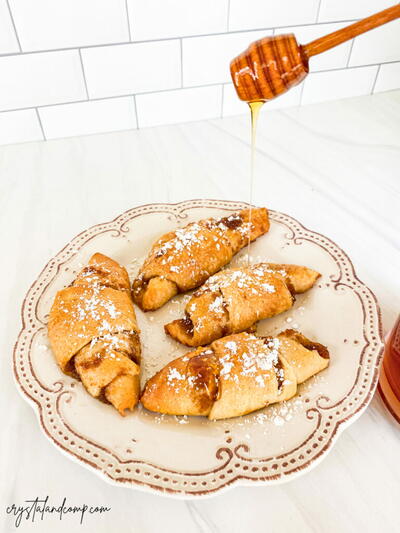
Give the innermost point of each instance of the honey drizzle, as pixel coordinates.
(255, 108)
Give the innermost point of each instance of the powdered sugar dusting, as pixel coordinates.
(173, 375)
(259, 357)
(190, 239)
(251, 279)
(93, 305)
(183, 238)
(217, 305)
(231, 346)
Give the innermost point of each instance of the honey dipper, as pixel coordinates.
(272, 65)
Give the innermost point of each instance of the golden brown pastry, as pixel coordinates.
(94, 334)
(235, 375)
(234, 299)
(183, 259)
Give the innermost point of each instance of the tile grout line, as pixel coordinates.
(222, 101)
(181, 57)
(213, 84)
(136, 112)
(14, 26)
(132, 129)
(40, 123)
(228, 13)
(350, 52)
(128, 21)
(318, 11)
(376, 79)
(121, 43)
(83, 74)
(336, 68)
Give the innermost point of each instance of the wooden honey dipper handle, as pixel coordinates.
(349, 32)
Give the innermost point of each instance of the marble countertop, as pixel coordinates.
(333, 166)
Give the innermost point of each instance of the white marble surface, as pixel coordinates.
(335, 167)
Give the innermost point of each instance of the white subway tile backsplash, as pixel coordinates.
(335, 58)
(388, 77)
(67, 120)
(184, 105)
(252, 14)
(206, 59)
(8, 39)
(77, 67)
(40, 79)
(321, 86)
(232, 105)
(132, 68)
(350, 9)
(377, 46)
(47, 24)
(19, 126)
(160, 19)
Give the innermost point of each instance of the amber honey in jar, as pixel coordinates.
(389, 381)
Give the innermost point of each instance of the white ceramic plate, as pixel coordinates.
(188, 457)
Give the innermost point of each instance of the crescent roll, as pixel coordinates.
(183, 259)
(235, 375)
(94, 334)
(233, 300)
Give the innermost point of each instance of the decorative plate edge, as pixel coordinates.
(238, 480)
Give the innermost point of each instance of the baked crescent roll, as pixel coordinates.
(234, 299)
(94, 334)
(235, 375)
(183, 259)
